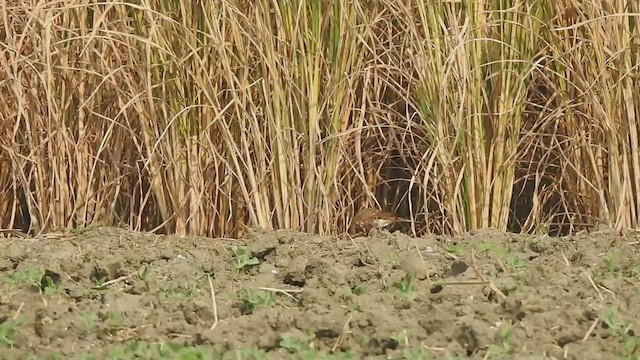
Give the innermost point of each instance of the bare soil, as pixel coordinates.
(116, 294)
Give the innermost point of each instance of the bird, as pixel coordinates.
(369, 218)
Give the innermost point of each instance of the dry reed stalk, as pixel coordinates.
(208, 117)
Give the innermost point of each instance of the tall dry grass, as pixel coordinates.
(217, 116)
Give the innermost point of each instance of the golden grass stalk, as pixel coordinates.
(473, 72)
(597, 57)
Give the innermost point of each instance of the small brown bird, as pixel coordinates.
(368, 218)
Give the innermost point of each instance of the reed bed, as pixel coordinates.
(218, 117)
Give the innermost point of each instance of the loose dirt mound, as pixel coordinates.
(119, 294)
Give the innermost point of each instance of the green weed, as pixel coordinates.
(89, 319)
(611, 264)
(515, 262)
(7, 333)
(252, 300)
(30, 276)
(242, 258)
(180, 292)
(630, 342)
(457, 249)
(503, 347)
(406, 285)
(295, 345)
(492, 248)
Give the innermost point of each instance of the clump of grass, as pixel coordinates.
(207, 118)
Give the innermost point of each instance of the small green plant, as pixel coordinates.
(252, 353)
(114, 322)
(355, 308)
(82, 230)
(408, 353)
(359, 290)
(36, 279)
(143, 273)
(242, 258)
(406, 285)
(503, 347)
(509, 288)
(356, 291)
(515, 262)
(630, 343)
(50, 356)
(393, 256)
(295, 345)
(457, 249)
(7, 333)
(610, 318)
(350, 294)
(180, 292)
(100, 283)
(89, 319)
(51, 288)
(414, 354)
(303, 348)
(610, 262)
(492, 248)
(252, 300)
(402, 339)
(141, 349)
(542, 229)
(521, 280)
(30, 276)
(143, 276)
